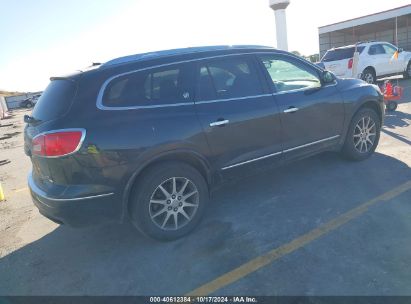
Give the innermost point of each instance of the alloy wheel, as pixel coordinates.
(364, 134)
(174, 203)
(369, 78)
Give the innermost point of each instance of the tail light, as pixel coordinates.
(350, 63)
(58, 143)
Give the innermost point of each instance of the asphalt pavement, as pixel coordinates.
(320, 226)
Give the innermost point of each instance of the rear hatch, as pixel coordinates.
(53, 105)
(339, 60)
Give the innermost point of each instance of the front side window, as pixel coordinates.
(145, 88)
(389, 49)
(227, 78)
(287, 75)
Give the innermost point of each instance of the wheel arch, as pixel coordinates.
(371, 104)
(191, 158)
(367, 103)
(346, 147)
(370, 67)
(406, 75)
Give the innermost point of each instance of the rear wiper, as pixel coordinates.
(30, 119)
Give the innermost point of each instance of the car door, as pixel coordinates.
(380, 60)
(238, 115)
(312, 114)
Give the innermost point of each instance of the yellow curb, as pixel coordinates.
(2, 198)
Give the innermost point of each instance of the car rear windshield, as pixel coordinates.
(340, 54)
(55, 100)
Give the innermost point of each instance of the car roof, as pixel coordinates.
(182, 51)
(361, 43)
(346, 47)
(195, 53)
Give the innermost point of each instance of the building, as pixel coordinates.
(393, 26)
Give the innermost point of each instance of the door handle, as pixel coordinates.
(291, 110)
(219, 123)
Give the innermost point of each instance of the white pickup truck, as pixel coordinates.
(376, 60)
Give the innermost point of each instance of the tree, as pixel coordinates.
(314, 58)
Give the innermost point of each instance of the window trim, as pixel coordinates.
(231, 99)
(101, 106)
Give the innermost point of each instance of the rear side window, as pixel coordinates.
(376, 49)
(55, 100)
(149, 87)
(227, 78)
(340, 54)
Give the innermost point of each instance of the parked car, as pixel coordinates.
(376, 60)
(146, 138)
(29, 102)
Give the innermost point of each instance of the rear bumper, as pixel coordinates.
(75, 211)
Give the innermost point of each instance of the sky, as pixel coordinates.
(44, 38)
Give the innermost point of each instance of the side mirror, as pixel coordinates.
(267, 64)
(400, 50)
(327, 77)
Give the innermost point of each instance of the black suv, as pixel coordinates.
(146, 137)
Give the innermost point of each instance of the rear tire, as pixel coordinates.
(369, 76)
(169, 201)
(363, 135)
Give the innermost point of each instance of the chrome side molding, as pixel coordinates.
(284, 151)
(252, 160)
(312, 143)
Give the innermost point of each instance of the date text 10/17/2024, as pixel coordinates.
(187, 299)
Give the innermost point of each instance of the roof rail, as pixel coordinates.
(366, 41)
(181, 51)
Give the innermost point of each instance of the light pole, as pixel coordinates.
(279, 7)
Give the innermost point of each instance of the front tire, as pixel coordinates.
(407, 73)
(363, 135)
(169, 201)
